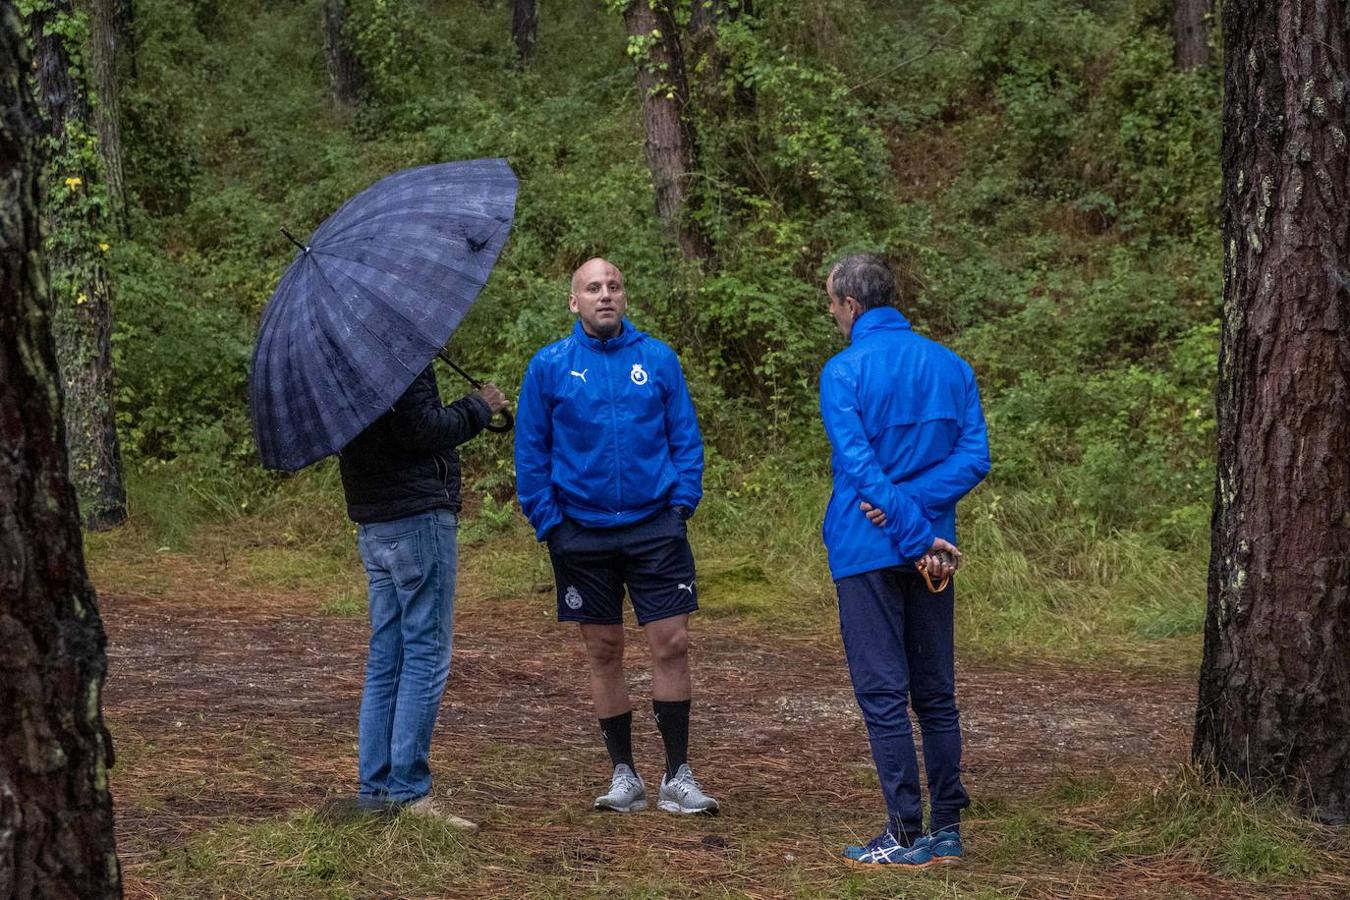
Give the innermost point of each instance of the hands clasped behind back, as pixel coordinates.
(941, 560)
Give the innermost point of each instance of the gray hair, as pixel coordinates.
(866, 278)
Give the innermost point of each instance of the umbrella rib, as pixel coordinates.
(474, 282)
(362, 323)
(285, 376)
(332, 427)
(296, 373)
(395, 256)
(340, 234)
(412, 326)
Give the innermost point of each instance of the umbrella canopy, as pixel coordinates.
(370, 300)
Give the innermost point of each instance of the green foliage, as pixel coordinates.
(386, 37)
(72, 29)
(1043, 177)
(77, 202)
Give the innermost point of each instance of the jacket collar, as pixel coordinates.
(628, 335)
(883, 318)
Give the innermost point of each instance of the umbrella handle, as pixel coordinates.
(508, 420)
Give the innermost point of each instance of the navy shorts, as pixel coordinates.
(593, 566)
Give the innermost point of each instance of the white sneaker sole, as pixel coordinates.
(635, 806)
(671, 806)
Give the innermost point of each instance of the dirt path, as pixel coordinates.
(249, 711)
(518, 676)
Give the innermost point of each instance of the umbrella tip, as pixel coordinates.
(290, 237)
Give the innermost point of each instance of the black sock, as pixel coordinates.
(618, 734)
(672, 717)
(905, 835)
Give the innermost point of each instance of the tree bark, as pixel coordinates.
(525, 29)
(56, 822)
(82, 295)
(671, 152)
(1190, 30)
(345, 72)
(105, 39)
(1274, 705)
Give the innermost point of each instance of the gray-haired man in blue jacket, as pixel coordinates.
(903, 417)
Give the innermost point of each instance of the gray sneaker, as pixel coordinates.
(627, 793)
(682, 794)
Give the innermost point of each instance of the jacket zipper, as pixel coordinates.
(614, 430)
(443, 473)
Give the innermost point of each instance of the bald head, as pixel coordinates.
(598, 298)
(594, 269)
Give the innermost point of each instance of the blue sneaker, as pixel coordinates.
(885, 850)
(945, 846)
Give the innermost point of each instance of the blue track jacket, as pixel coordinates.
(605, 432)
(904, 420)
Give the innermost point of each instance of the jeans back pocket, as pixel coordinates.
(401, 556)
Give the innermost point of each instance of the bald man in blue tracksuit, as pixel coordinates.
(908, 437)
(609, 465)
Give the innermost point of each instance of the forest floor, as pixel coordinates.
(233, 711)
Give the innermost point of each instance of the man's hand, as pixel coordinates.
(941, 560)
(493, 397)
(874, 514)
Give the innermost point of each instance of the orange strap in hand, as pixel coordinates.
(923, 570)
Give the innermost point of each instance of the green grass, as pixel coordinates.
(1039, 583)
(1232, 832)
(345, 605)
(1043, 584)
(301, 856)
(1227, 830)
(1078, 832)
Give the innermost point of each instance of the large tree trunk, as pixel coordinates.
(82, 296)
(525, 28)
(105, 37)
(1190, 30)
(56, 823)
(1274, 706)
(345, 73)
(671, 152)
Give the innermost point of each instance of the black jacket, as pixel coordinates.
(405, 462)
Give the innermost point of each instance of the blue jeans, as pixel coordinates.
(898, 637)
(411, 564)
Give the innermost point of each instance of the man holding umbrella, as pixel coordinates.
(609, 465)
(401, 480)
(343, 365)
